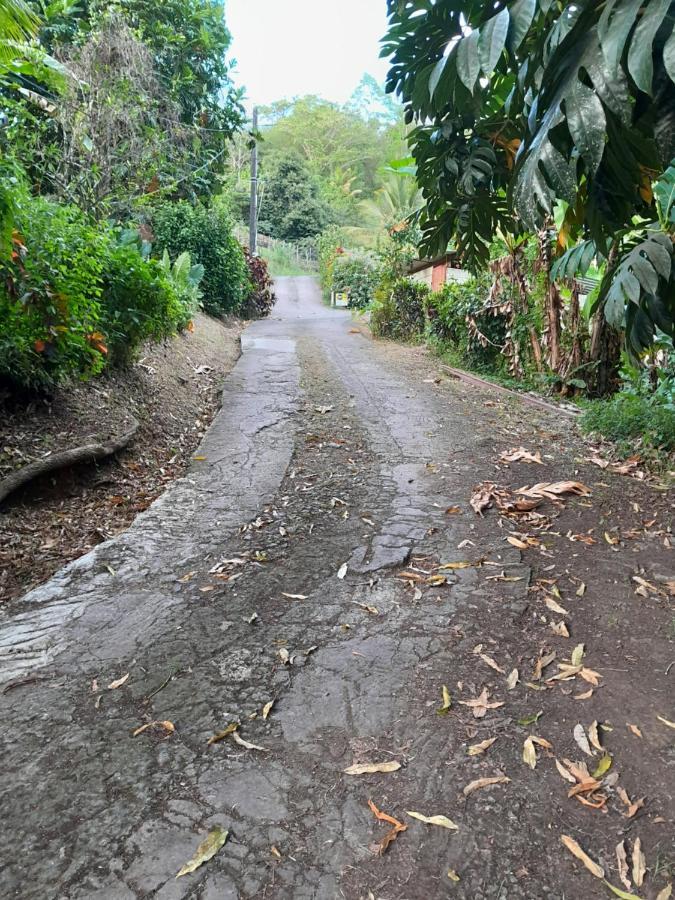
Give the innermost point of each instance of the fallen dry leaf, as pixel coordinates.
(275, 852)
(603, 766)
(566, 774)
(166, 725)
(342, 571)
(576, 850)
(619, 893)
(462, 564)
(622, 861)
(453, 876)
(636, 731)
(666, 722)
(442, 821)
(238, 739)
(555, 607)
(294, 596)
(481, 704)
(512, 680)
(390, 835)
(232, 727)
(520, 454)
(665, 893)
(594, 737)
(206, 850)
(484, 782)
(371, 768)
(554, 490)
(583, 696)
(488, 660)
(582, 740)
(529, 753)
(118, 683)
(477, 749)
(639, 863)
(481, 497)
(267, 708)
(577, 655)
(559, 628)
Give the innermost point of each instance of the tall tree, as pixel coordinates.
(529, 106)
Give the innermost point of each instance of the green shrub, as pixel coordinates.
(400, 311)
(329, 247)
(139, 302)
(50, 290)
(627, 417)
(185, 279)
(357, 275)
(206, 233)
(449, 311)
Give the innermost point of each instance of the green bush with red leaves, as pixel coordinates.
(262, 298)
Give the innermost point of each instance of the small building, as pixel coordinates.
(438, 271)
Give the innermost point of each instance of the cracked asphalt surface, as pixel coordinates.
(329, 449)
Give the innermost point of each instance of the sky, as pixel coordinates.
(287, 48)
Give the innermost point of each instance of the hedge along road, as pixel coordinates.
(273, 574)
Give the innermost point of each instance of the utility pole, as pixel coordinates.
(253, 211)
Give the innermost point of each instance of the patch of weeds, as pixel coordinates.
(630, 419)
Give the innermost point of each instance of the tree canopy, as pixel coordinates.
(532, 109)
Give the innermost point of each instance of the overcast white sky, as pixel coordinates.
(286, 48)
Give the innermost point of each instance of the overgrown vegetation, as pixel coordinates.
(113, 143)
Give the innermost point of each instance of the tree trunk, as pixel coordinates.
(606, 354)
(553, 305)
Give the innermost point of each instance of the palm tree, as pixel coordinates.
(18, 25)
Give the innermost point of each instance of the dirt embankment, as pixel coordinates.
(173, 392)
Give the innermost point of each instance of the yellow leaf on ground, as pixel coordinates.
(577, 655)
(453, 876)
(583, 857)
(207, 849)
(623, 894)
(223, 734)
(477, 749)
(529, 753)
(166, 725)
(371, 768)
(442, 821)
(603, 766)
(447, 701)
(484, 782)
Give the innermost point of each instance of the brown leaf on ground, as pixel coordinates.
(555, 607)
(565, 773)
(481, 497)
(582, 740)
(488, 660)
(665, 893)
(481, 704)
(390, 835)
(512, 680)
(636, 731)
(666, 722)
(529, 753)
(483, 783)
(371, 768)
(559, 628)
(622, 861)
(583, 857)
(267, 708)
(633, 806)
(118, 682)
(594, 737)
(554, 490)
(639, 863)
(520, 454)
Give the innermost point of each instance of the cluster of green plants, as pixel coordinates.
(75, 297)
(357, 274)
(113, 140)
(642, 414)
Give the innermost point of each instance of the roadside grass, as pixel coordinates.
(281, 262)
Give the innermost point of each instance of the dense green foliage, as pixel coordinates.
(532, 108)
(139, 302)
(400, 311)
(632, 420)
(206, 233)
(356, 274)
(291, 209)
(73, 298)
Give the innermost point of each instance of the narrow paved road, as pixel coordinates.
(225, 595)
